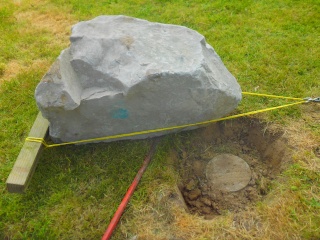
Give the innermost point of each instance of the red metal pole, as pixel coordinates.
(116, 217)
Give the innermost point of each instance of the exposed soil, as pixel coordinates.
(264, 150)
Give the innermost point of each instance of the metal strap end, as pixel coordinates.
(309, 99)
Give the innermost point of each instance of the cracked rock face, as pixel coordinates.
(123, 75)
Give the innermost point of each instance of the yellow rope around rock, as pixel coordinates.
(123, 135)
(271, 96)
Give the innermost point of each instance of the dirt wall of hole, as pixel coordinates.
(264, 149)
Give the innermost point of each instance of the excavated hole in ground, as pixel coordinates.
(264, 150)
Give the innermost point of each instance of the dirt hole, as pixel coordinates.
(264, 149)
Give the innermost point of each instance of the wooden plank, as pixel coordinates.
(27, 160)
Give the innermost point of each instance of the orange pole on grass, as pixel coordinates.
(116, 217)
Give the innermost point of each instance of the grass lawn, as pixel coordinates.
(269, 46)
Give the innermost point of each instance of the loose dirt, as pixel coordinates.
(264, 150)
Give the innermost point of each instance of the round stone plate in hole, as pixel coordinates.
(228, 172)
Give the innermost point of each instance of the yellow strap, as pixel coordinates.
(271, 96)
(41, 140)
(38, 140)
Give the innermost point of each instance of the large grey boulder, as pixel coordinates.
(122, 75)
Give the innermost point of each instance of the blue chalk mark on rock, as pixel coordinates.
(120, 113)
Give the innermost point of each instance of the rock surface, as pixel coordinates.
(123, 75)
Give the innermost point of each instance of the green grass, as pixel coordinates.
(271, 46)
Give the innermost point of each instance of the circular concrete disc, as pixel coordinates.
(228, 172)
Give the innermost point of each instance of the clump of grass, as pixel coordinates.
(271, 47)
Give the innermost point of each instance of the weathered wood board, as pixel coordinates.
(27, 160)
